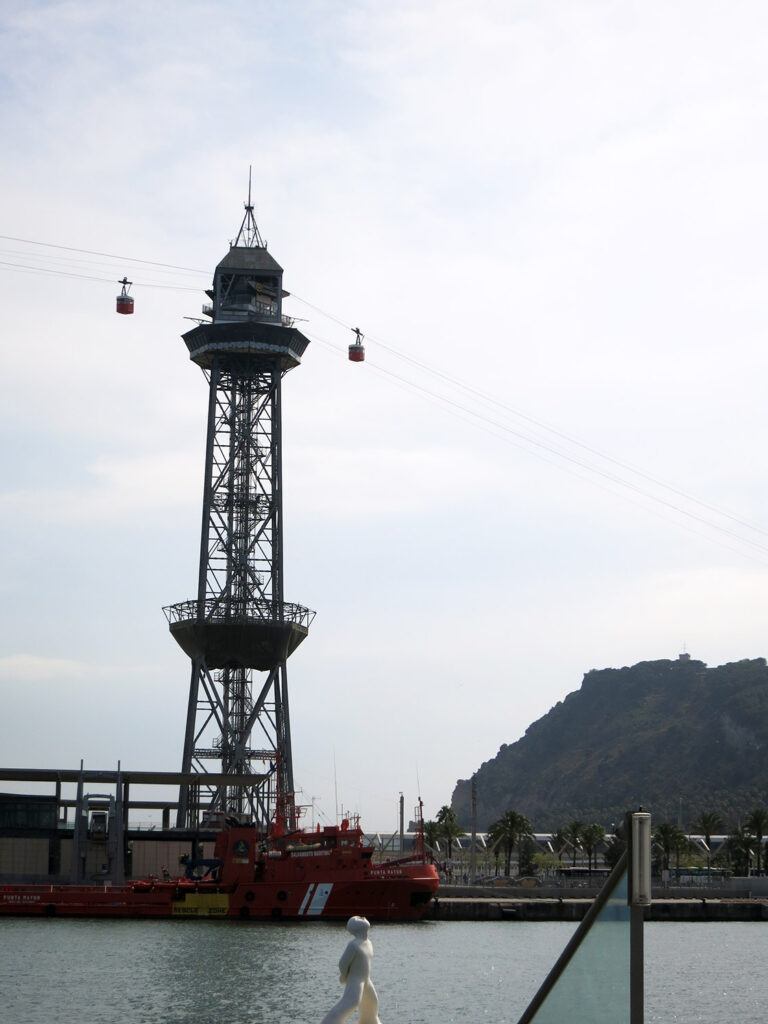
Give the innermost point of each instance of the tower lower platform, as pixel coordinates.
(258, 637)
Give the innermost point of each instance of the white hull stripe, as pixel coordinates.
(304, 902)
(320, 898)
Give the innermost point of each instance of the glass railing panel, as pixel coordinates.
(591, 980)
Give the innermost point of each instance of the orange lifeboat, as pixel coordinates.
(124, 300)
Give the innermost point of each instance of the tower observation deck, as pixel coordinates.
(239, 631)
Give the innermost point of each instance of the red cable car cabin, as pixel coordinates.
(124, 300)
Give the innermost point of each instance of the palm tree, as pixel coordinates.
(526, 855)
(572, 835)
(707, 823)
(739, 847)
(669, 839)
(591, 837)
(450, 830)
(757, 823)
(496, 858)
(559, 842)
(432, 835)
(505, 832)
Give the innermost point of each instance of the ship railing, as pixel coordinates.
(254, 610)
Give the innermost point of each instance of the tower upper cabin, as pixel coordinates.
(247, 285)
(246, 308)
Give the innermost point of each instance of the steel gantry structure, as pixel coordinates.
(239, 631)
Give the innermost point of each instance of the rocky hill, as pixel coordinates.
(674, 737)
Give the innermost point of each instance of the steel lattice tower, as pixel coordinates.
(239, 631)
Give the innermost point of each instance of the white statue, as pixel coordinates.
(355, 974)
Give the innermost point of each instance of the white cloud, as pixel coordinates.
(25, 668)
(153, 487)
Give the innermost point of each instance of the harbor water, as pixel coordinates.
(222, 972)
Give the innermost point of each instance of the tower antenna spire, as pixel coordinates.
(249, 231)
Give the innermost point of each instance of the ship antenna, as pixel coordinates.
(335, 790)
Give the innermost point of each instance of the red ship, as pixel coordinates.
(238, 632)
(324, 874)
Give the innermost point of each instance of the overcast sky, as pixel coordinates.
(550, 221)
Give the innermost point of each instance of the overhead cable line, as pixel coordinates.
(56, 259)
(484, 396)
(523, 439)
(91, 277)
(108, 255)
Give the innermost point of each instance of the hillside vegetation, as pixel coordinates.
(674, 737)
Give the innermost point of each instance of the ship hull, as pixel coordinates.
(328, 874)
(401, 899)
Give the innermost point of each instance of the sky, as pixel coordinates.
(548, 219)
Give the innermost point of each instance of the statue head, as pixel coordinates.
(358, 926)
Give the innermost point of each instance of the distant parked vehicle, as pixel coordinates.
(582, 875)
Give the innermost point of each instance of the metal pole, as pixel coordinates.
(79, 835)
(117, 867)
(473, 852)
(639, 837)
(636, 966)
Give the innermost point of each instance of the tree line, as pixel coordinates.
(742, 852)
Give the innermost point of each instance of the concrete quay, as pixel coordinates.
(492, 906)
